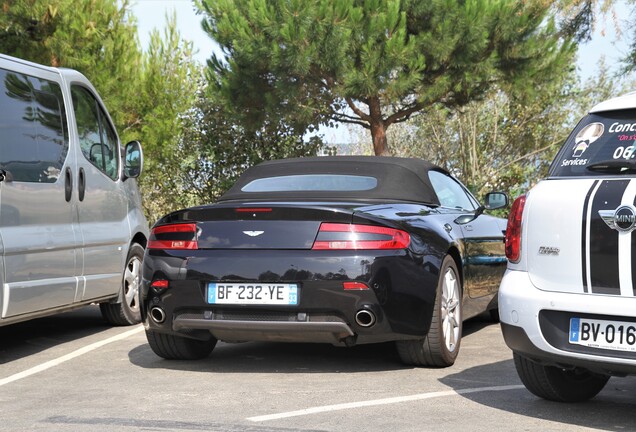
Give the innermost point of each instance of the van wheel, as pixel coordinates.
(556, 384)
(127, 312)
(173, 347)
(441, 345)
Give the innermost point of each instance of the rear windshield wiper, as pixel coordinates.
(613, 166)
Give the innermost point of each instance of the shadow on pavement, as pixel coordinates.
(270, 357)
(612, 410)
(30, 337)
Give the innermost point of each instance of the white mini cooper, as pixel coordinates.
(568, 299)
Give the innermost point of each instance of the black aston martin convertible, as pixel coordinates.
(342, 250)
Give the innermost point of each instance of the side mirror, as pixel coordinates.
(492, 201)
(495, 200)
(133, 160)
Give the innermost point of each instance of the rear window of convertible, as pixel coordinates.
(312, 182)
(598, 138)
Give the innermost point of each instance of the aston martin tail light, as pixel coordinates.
(513, 231)
(338, 236)
(181, 236)
(160, 284)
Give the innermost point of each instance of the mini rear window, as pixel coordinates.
(600, 137)
(312, 183)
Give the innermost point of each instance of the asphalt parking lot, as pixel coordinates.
(73, 373)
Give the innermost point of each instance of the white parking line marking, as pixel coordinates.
(386, 401)
(55, 362)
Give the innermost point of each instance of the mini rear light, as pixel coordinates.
(159, 284)
(174, 237)
(337, 236)
(353, 286)
(513, 230)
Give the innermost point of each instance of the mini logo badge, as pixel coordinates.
(253, 233)
(622, 219)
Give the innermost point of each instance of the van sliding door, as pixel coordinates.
(39, 233)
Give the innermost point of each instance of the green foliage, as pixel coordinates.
(96, 37)
(197, 150)
(376, 62)
(26, 25)
(215, 149)
(167, 92)
(147, 94)
(503, 143)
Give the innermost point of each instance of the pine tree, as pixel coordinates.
(147, 93)
(375, 62)
(96, 37)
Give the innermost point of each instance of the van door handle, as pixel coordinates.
(68, 184)
(82, 184)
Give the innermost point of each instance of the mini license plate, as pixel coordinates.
(256, 294)
(611, 335)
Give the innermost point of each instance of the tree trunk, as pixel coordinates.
(378, 135)
(378, 128)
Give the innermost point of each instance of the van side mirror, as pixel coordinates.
(495, 200)
(133, 160)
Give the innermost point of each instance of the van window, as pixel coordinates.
(96, 136)
(33, 128)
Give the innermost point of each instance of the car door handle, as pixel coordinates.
(82, 184)
(68, 184)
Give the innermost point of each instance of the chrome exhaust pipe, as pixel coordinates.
(158, 315)
(365, 318)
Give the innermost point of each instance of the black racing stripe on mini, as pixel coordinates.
(603, 252)
(634, 259)
(584, 236)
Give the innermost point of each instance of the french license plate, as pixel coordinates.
(612, 335)
(253, 293)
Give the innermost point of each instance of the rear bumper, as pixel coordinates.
(397, 305)
(282, 331)
(535, 325)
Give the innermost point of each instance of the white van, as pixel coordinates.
(72, 231)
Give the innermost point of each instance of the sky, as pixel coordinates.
(151, 14)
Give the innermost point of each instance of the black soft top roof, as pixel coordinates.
(402, 179)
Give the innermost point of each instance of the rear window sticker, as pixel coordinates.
(587, 136)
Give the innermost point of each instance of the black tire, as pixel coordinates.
(556, 384)
(127, 312)
(494, 315)
(441, 345)
(173, 347)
